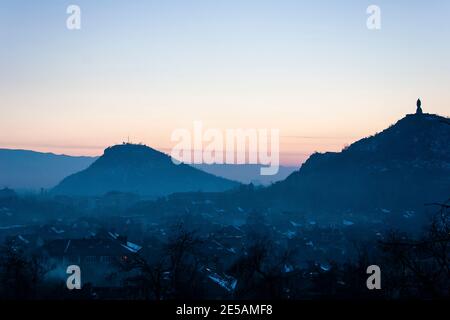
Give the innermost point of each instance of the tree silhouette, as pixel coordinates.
(173, 273)
(19, 275)
(421, 268)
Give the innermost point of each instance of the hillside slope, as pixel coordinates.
(141, 170)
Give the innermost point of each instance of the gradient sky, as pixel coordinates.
(145, 68)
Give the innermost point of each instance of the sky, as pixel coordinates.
(139, 70)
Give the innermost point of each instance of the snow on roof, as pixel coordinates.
(13, 227)
(295, 224)
(232, 250)
(131, 247)
(218, 243)
(347, 223)
(23, 239)
(227, 282)
(290, 234)
(310, 243)
(288, 268)
(88, 247)
(325, 266)
(56, 230)
(67, 246)
(113, 235)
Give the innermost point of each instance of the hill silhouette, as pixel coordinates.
(404, 166)
(28, 170)
(142, 170)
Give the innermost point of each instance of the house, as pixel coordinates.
(97, 257)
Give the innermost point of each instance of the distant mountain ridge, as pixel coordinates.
(404, 166)
(31, 170)
(142, 170)
(245, 173)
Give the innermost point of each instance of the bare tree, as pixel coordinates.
(173, 273)
(19, 275)
(147, 277)
(261, 271)
(422, 267)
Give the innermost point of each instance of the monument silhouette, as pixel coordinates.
(419, 107)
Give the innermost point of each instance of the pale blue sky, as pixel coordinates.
(144, 68)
